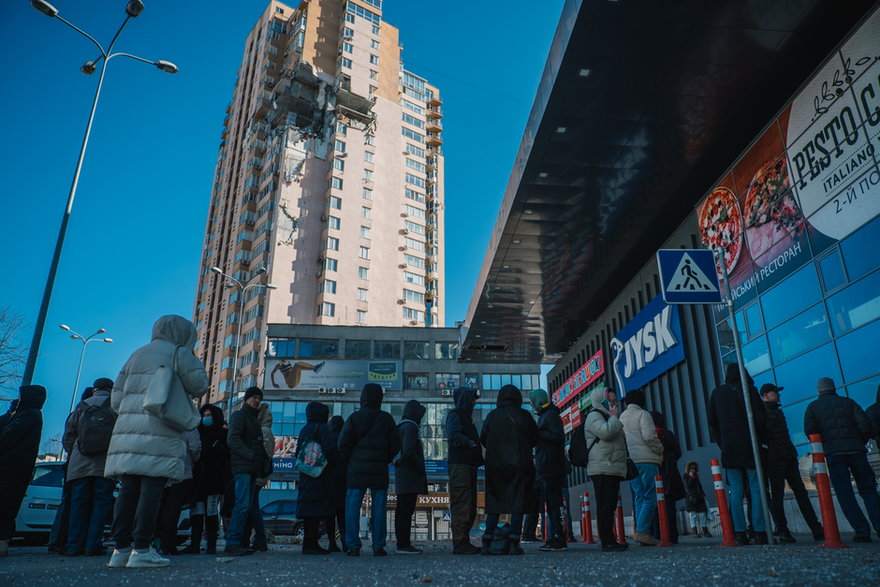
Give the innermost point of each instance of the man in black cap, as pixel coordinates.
(782, 466)
(249, 461)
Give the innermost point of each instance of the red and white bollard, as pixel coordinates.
(618, 527)
(661, 512)
(823, 487)
(586, 520)
(723, 509)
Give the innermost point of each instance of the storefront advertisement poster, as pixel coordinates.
(330, 376)
(285, 447)
(589, 372)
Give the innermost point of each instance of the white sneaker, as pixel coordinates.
(150, 558)
(119, 558)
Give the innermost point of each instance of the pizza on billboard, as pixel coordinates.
(720, 221)
(770, 210)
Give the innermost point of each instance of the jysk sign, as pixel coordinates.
(649, 345)
(587, 374)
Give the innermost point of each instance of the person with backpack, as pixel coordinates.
(19, 446)
(145, 451)
(337, 521)
(315, 455)
(509, 434)
(210, 478)
(86, 439)
(368, 442)
(696, 505)
(410, 477)
(646, 451)
(606, 461)
(464, 458)
(551, 466)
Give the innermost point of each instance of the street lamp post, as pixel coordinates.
(242, 288)
(82, 354)
(132, 9)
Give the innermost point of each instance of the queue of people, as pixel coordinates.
(166, 453)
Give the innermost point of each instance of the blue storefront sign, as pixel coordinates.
(284, 465)
(648, 346)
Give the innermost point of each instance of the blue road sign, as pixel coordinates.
(688, 276)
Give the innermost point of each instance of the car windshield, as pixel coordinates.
(48, 476)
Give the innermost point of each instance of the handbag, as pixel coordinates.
(631, 470)
(166, 399)
(311, 460)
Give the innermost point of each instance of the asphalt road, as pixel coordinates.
(694, 562)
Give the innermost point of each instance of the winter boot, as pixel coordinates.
(706, 532)
(694, 531)
(500, 541)
(741, 539)
(195, 542)
(515, 548)
(212, 543)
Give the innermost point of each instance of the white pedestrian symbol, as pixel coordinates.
(689, 277)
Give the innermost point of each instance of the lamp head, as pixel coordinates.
(166, 66)
(108, 340)
(64, 327)
(134, 8)
(270, 286)
(75, 337)
(88, 68)
(45, 8)
(216, 270)
(101, 331)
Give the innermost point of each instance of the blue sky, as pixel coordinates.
(134, 239)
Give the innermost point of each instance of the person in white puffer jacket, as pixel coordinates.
(646, 451)
(145, 453)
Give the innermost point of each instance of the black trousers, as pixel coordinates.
(552, 490)
(462, 501)
(334, 522)
(136, 511)
(406, 507)
(778, 472)
(605, 489)
(173, 498)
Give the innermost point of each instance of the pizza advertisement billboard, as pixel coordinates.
(809, 180)
(330, 376)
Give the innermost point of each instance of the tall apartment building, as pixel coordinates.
(328, 185)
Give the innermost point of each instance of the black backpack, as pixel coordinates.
(95, 429)
(578, 453)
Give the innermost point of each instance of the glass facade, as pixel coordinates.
(820, 321)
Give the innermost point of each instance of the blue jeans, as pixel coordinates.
(255, 522)
(378, 524)
(516, 523)
(645, 495)
(839, 469)
(90, 501)
(244, 489)
(736, 488)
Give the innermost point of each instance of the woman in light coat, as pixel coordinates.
(145, 453)
(606, 467)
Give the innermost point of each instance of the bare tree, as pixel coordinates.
(12, 352)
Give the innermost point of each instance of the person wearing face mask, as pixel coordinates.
(210, 477)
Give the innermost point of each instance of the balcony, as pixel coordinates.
(433, 125)
(434, 100)
(434, 139)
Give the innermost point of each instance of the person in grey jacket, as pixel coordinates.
(145, 452)
(646, 451)
(606, 443)
(91, 494)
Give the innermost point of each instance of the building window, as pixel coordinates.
(327, 309)
(362, 294)
(335, 202)
(357, 349)
(339, 164)
(336, 183)
(414, 261)
(331, 243)
(334, 223)
(416, 315)
(410, 119)
(331, 264)
(414, 195)
(414, 179)
(363, 273)
(341, 128)
(374, 44)
(446, 350)
(345, 62)
(347, 47)
(328, 286)
(339, 146)
(413, 164)
(413, 227)
(415, 381)
(349, 17)
(369, 156)
(413, 296)
(366, 212)
(413, 150)
(368, 175)
(375, 30)
(411, 134)
(412, 243)
(318, 348)
(413, 211)
(374, 59)
(361, 316)
(412, 106)
(364, 252)
(347, 32)
(447, 380)
(387, 349)
(374, 74)
(417, 350)
(369, 140)
(365, 232)
(413, 278)
(367, 194)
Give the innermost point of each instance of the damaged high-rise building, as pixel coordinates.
(328, 185)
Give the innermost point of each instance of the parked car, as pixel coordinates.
(279, 517)
(37, 513)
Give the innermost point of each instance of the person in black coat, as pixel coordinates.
(673, 487)
(337, 520)
(315, 498)
(368, 442)
(729, 429)
(210, 479)
(550, 463)
(695, 505)
(465, 456)
(19, 446)
(509, 435)
(873, 413)
(410, 478)
(845, 428)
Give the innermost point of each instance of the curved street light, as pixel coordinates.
(85, 341)
(242, 288)
(132, 10)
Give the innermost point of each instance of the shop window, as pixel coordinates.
(864, 392)
(756, 355)
(446, 350)
(831, 271)
(282, 348)
(753, 321)
(416, 350)
(806, 330)
(318, 349)
(447, 381)
(472, 380)
(799, 377)
(487, 382)
(357, 349)
(856, 305)
(858, 352)
(860, 249)
(794, 416)
(416, 381)
(792, 295)
(387, 349)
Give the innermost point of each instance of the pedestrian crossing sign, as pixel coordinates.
(688, 276)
